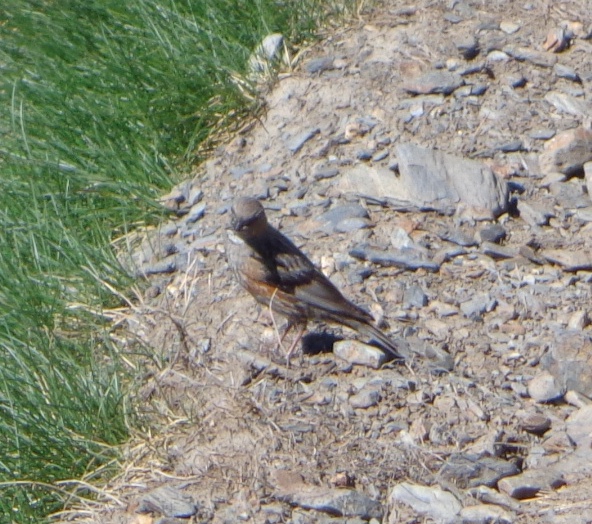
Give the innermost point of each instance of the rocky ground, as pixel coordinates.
(435, 161)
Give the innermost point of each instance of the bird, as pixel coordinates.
(280, 276)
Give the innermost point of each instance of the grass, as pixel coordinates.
(102, 104)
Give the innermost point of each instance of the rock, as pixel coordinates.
(404, 258)
(557, 40)
(261, 61)
(528, 484)
(579, 426)
(291, 488)
(564, 71)
(535, 57)
(588, 177)
(497, 252)
(441, 506)
(344, 218)
(325, 172)
(534, 214)
(414, 297)
(168, 501)
(565, 103)
(535, 423)
(433, 82)
(365, 399)
(567, 152)
(569, 261)
(485, 514)
(468, 471)
(468, 47)
(477, 306)
(569, 361)
(493, 233)
(358, 353)
(296, 143)
(318, 65)
(432, 180)
(544, 388)
(509, 27)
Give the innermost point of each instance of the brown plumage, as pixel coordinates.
(270, 267)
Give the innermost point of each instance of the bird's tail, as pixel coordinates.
(375, 334)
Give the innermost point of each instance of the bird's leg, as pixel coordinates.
(295, 343)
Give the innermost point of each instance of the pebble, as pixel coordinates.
(295, 144)
(365, 399)
(528, 484)
(579, 426)
(494, 233)
(433, 82)
(318, 65)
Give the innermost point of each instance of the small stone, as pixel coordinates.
(509, 27)
(534, 57)
(467, 470)
(569, 73)
(415, 297)
(318, 65)
(535, 423)
(326, 172)
(588, 177)
(477, 306)
(565, 103)
(557, 40)
(497, 252)
(296, 143)
(468, 47)
(358, 353)
(543, 388)
(534, 214)
(542, 133)
(579, 426)
(365, 399)
(494, 233)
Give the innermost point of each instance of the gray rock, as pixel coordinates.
(569, 360)
(168, 501)
(493, 233)
(318, 65)
(579, 426)
(325, 172)
(534, 214)
(365, 399)
(565, 103)
(468, 470)
(498, 252)
(196, 212)
(477, 306)
(458, 237)
(433, 82)
(441, 506)
(588, 177)
(525, 54)
(485, 514)
(405, 258)
(528, 484)
(544, 388)
(266, 53)
(542, 133)
(569, 261)
(296, 143)
(565, 71)
(358, 353)
(567, 152)
(344, 218)
(414, 296)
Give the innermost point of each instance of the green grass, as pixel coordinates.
(102, 104)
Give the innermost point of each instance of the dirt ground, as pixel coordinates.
(239, 436)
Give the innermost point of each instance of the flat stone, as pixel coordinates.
(498, 252)
(467, 470)
(296, 143)
(493, 233)
(565, 103)
(588, 177)
(291, 488)
(433, 502)
(477, 306)
(569, 260)
(534, 214)
(486, 514)
(365, 399)
(433, 82)
(318, 65)
(528, 484)
(405, 258)
(525, 54)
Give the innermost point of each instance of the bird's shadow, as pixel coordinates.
(318, 342)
